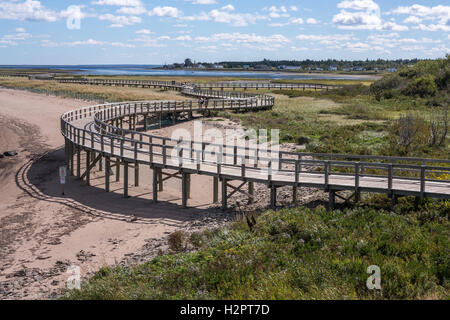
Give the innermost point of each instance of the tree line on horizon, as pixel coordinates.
(378, 64)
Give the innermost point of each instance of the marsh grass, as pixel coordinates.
(299, 254)
(111, 94)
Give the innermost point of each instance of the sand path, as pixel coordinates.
(43, 232)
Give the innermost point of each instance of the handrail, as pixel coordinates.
(135, 146)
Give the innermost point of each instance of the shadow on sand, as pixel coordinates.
(39, 179)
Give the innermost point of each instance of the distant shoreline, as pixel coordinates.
(356, 75)
(196, 73)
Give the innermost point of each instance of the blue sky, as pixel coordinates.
(156, 32)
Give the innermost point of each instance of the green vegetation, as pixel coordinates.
(402, 114)
(341, 65)
(298, 254)
(427, 81)
(89, 92)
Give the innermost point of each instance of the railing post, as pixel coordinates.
(390, 178)
(422, 181)
(357, 175)
(164, 152)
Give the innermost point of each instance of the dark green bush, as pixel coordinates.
(424, 86)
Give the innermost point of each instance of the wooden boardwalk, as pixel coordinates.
(100, 132)
(256, 85)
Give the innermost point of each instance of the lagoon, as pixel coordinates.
(151, 70)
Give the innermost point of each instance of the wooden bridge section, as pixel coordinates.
(99, 132)
(256, 85)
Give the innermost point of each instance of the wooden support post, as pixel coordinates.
(136, 174)
(251, 191)
(273, 197)
(72, 170)
(107, 173)
(184, 189)
(155, 184)
(160, 180)
(125, 179)
(188, 186)
(224, 194)
(66, 153)
(100, 165)
(393, 201)
(117, 170)
(357, 175)
(416, 203)
(88, 170)
(215, 189)
(332, 200)
(78, 163)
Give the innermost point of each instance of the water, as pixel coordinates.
(150, 70)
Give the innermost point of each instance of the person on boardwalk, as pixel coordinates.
(200, 103)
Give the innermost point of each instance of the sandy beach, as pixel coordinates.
(44, 232)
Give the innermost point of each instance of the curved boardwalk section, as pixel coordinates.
(100, 132)
(214, 85)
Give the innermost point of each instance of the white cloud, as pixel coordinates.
(277, 12)
(121, 3)
(228, 7)
(183, 38)
(247, 40)
(300, 48)
(165, 12)
(29, 10)
(365, 16)
(413, 20)
(14, 39)
(311, 21)
(122, 45)
(143, 31)
(440, 12)
(226, 15)
(439, 16)
(120, 21)
(326, 39)
(89, 42)
(235, 19)
(204, 2)
(362, 5)
(356, 20)
(297, 21)
(434, 27)
(131, 10)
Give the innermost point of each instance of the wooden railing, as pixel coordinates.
(253, 164)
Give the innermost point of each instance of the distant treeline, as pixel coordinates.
(379, 64)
